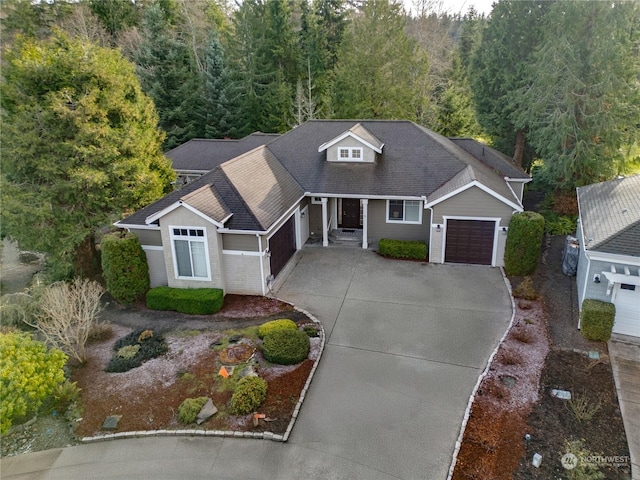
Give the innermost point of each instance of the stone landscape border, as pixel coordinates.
(485, 372)
(229, 433)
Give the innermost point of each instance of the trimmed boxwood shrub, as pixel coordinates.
(596, 320)
(151, 346)
(248, 395)
(523, 243)
(124, 267)
(193, 301)
(280, 324)
(286, 347)
(411, 249)
(189, 409)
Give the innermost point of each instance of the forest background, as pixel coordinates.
(554, 84)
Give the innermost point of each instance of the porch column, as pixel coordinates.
(365, 209)
(325, 227)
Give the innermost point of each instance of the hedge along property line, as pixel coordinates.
(485, 372)
(231, 433)
(194, 301)
(409, 249)
(523, 243)
(596, 320)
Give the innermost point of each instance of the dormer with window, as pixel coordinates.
(356, 145)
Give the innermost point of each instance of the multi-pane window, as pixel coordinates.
(408, 211)
(349, 154)
(190, 252)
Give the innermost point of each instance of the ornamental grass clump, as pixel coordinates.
(286, 347)
(248, 395)
(273, 325)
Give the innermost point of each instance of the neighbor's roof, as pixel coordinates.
(610, 216)
(203, 155)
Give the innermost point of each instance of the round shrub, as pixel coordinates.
(124, 267)
(281, 324)
(248, 396)
(286, 347)
(189, 409)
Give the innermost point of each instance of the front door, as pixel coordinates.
(350, 213)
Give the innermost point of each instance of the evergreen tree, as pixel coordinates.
(581, 104)
(168, 75)
(215, 102)
(500, 68)
(80, 145)
(380, 72)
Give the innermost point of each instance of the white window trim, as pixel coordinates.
(175, 257)
(316, 200)
(350, 158)
(404, 203)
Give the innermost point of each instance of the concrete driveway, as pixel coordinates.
(405, 345)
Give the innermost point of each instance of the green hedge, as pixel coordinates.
(412, 249)
(280, 324)
(596, 320)
(523, 243)
(124, 267)
(248, 396)
(286, 347)
(194, 301)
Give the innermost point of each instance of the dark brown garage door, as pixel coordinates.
(282, 245)
(469, 241)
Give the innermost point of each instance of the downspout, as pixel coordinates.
(264, 281)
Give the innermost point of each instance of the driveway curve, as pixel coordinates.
(406, 342)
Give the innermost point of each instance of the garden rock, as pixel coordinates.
(207, 411)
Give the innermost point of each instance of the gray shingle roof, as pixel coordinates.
(259, 185)
(203, 155)
(497, 161)
(610, 216)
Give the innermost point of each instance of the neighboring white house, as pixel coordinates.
(609, 236)
(237, 226)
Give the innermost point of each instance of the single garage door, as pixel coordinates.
(282, 246)
(469, 241)
(627, 304)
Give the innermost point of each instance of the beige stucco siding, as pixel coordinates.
(473, 203)
(379, 228)
(157, 267)
(242, 274)
(181, 217)
(245, 243)
(368, 155)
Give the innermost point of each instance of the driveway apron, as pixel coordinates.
(406, 342)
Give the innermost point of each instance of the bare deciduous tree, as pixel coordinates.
(66, 315)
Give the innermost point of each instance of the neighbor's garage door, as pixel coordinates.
(282, 246)
(627, 304)
(469, 241)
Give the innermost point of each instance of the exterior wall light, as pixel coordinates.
(438, 229)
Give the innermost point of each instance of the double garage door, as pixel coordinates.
(469, 241)
(282, 246)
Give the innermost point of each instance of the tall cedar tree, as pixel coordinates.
(168, 74)
(80, 145)
(500, 68)
(380, 71)
(581, 105)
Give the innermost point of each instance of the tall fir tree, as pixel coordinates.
(169, 76)
(581, 103)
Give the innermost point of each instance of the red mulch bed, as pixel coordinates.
(148, 396)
